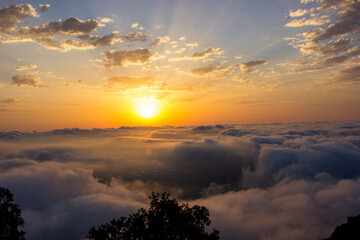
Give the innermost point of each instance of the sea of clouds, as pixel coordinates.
(260, 182)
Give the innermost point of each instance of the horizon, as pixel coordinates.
(180, 126)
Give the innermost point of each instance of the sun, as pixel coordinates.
(147, 107)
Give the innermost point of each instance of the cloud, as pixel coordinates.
(194, 44)
(209, 69)
(134, 25)
(70, 26)
(123, 58)
(346, 20)
(129, 82)
(96, 41)
(26, 80)
(106, 20)
(160, 40)
(199, 55)
(9, 101)
(335, 47)
(45, 34)
(322, 46)
(274, 181)
(247, 67)
(207, 52)
(306, 1)
(314, 20)
(351, 74)
(26, 67)
(54, 205)
(292, 209)
(44, 7)
(204, 70)
(331, 61)
(180, 50)
(300, 12)
(326, 5)
(13, 14)
(132, 37)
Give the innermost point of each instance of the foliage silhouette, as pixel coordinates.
(165, 220)
(347, 231)
(10, 217)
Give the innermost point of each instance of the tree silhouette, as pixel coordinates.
(165, 220)
(347, 231)
(10, 217)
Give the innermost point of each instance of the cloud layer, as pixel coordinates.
(273, 181)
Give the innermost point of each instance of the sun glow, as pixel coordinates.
(147, 107)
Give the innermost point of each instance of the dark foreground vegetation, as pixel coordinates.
(10, 217)
(165, 219)
(347, 231)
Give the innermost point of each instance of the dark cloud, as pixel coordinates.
(96, 41)
(69, 26)
(351, 74)
(328, 4)
(248, 66)
(347, 21)
(26, 80)
(11, 135)
(122, 57)
(13, 14)
(132, 37)
(336, 47)
(10, 100)
(331, 61)
(212, 68)
(204, 70)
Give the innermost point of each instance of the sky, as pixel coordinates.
(93, 63)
